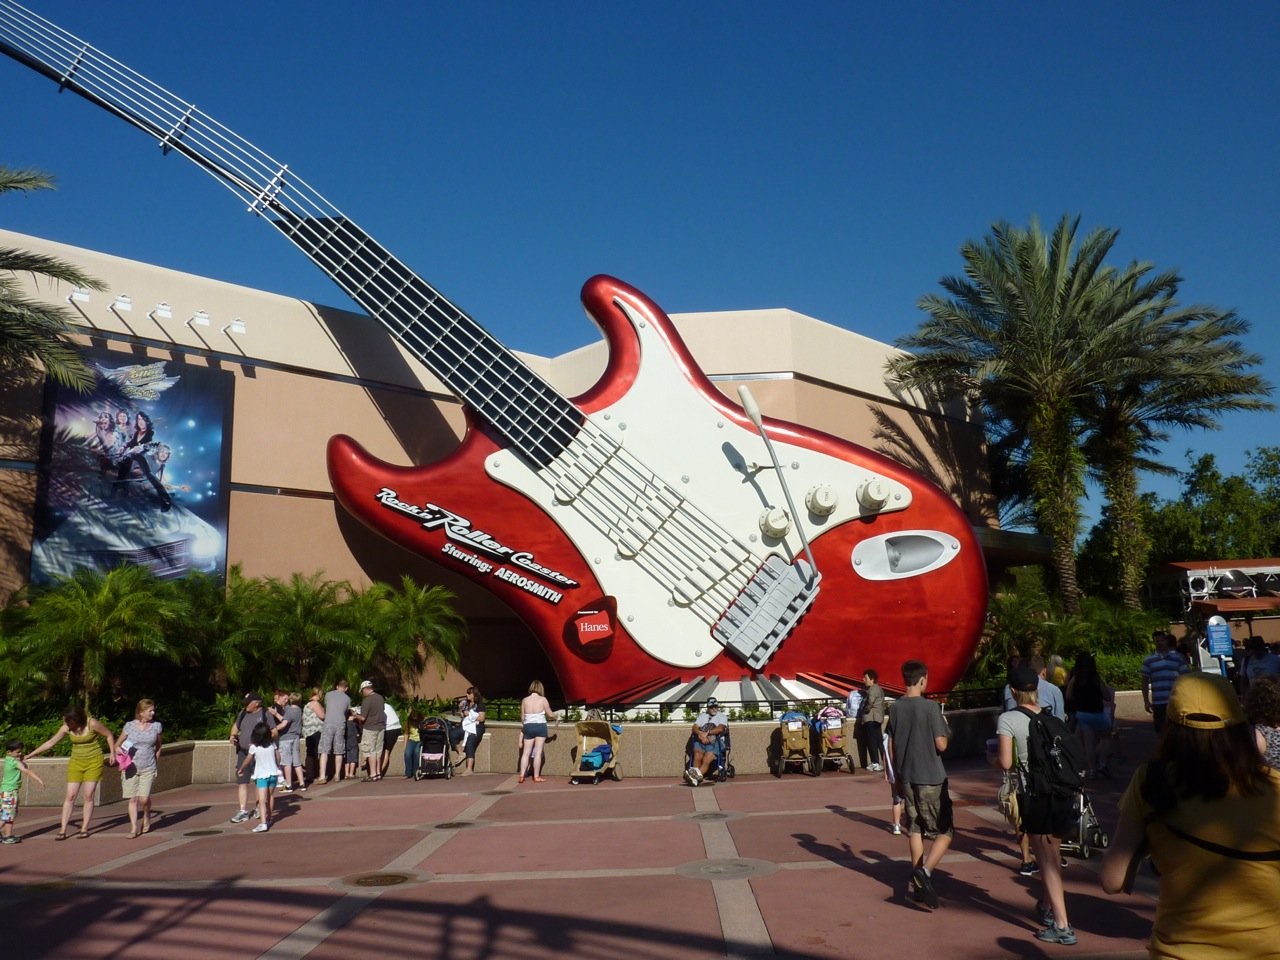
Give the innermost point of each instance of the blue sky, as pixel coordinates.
(829, 158)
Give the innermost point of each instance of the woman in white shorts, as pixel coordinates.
(141, 740)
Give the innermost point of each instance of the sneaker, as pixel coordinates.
(11, 840)
(260, 828)
(896, 830)
(256, 815)
(924, 887)
(876, 768)
(301, 789)
(241, 816)
(1029, 869)
(688, 778)
(285, 788)
(695, 775)
(1055, 934)
(1045, 913)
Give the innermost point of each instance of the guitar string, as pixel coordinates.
(678, 561)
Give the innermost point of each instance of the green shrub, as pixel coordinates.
(1123, 671)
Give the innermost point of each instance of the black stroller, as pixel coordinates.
(437, 749)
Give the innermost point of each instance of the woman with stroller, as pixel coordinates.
(1094, 706)
(535, 710)
(1207, 811)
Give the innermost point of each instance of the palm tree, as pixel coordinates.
(411, 627)
(221, 629)
(31, 331)
(299, 630)
(75, 628)
(1027, 334)
(1187, 367)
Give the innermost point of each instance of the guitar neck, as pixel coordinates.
(534, 418)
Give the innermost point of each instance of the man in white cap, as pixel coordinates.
(373, 729)
(707, 745)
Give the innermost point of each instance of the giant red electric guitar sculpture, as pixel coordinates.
(641, 529)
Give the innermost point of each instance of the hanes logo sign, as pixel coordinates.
(594, 625)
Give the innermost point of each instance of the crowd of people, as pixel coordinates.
(284, 747)
(1207, 804)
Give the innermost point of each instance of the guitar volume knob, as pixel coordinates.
(822, 500)
(775, 523)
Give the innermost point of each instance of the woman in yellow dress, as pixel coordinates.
(84, 770)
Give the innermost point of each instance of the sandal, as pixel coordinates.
(61, 836)
(146, 823)
(519, 779)
(82, 835)
(133, 835)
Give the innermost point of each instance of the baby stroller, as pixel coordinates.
(794, 744)
(834, 737)
(437, 753)
(598, 742)
(1087, 834)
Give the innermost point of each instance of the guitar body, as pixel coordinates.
(612, 629)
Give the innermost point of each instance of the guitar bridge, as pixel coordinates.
(767, 610)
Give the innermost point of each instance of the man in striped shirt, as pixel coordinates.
(1159, 670)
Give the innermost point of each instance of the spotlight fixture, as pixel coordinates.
(161, 311)
(78, 295)
(198, 319)
(123, 303)
(235, 326)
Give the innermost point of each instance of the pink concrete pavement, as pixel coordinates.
(477, 867)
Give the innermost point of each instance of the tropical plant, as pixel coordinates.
(297, 632)
(32, 332)
(73, 632)
(1024, 620)
(223, 627)
(1028, 334)
(1186, 367)
(405, 629)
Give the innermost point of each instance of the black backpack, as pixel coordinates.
(1055, 757)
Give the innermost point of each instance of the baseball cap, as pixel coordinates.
(1024, 680)
(712, 702)
(365, 683)
(1204, 701)
(252, 696)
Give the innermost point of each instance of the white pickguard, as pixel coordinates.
(665, 423)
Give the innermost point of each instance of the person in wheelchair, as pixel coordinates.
(709, 745)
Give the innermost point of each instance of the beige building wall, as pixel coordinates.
(305, 372)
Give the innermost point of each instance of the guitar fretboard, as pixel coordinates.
(534, 418)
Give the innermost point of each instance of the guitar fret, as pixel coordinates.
(177, 131)
(75, 65)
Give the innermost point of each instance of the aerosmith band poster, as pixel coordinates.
(135, 471)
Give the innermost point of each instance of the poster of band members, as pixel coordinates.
(136, 470)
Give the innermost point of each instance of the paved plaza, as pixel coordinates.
(478, 867)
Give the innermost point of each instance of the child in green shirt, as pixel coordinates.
(10, 784)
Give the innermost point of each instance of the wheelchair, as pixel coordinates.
(722, 769)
